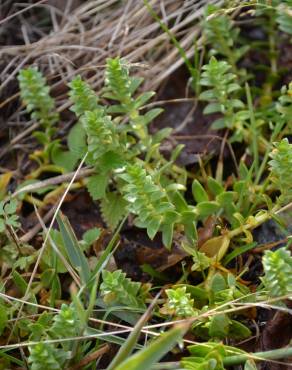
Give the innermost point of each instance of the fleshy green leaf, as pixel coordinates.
(199, 193)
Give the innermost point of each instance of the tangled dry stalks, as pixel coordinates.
(83, 35)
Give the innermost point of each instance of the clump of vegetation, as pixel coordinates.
(208, 215)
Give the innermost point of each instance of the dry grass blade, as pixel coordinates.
(21, 11)
(100, 29)
(96, 30)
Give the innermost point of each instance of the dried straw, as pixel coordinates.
(83, 37)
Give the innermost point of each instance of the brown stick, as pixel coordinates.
(53, 181)
(93, 356)
(37, 227)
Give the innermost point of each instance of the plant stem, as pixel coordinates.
(258, 356)
(253, 127)
(275, 133)
(167, 366)
(171, 36)
(272, 44)
(274, 354)
(45, 168)
(256, 222)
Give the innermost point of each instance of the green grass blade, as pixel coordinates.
(127, 348)
(171, 36)
(253, 128)
(73, 249)
(110, 338)
(148, 356)
(10, 358)
(237, 252)
(22, 286)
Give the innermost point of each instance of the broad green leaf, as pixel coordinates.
(200, 295)
(113, 208)
(206, 209)
(213, 108)
(153, 227)
(217, 283)
(167, 235)
(208, 95)
(111, 160)
(151, 115)
(216, 247)
(238, 331)
(11, 207)
(19, 282)
(161, 135)
(64, 159)
(236, 103)
(225, 198)
(191, 232)
(215, 187)
(179, 201)
(77, 140)
(175, 154)
(219, 123)
(135, 82)
(96, 185)
(219, 326)
(91, 235)
(189, 216)
(170, 217)
(143, 98)
(2, 225)
(199, 193)
(233, 87)
(22, 286)
(244, 172)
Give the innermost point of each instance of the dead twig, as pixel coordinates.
(93, 356)
(54, 181)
